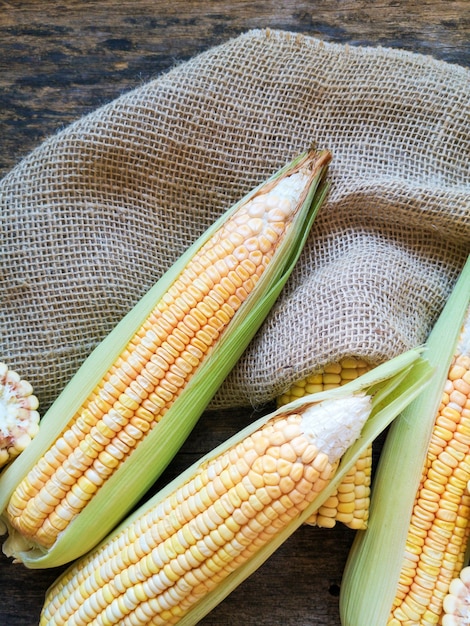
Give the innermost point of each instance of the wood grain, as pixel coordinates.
(60, 60)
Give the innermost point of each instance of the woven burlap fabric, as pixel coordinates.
(93, 216)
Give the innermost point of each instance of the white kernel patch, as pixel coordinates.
(19, 420)
(333, 425)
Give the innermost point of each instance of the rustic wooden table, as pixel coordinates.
(61, 60)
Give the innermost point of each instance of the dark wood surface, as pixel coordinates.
(60, 60)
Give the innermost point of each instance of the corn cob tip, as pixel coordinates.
(19, 419)
(335, 424)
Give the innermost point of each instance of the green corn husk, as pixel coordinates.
(153, 453)
(391, 385)
(374, 564)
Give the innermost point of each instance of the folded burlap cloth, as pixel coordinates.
(94, 215)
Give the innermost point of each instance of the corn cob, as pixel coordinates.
(19, 419)
(350, 503)
(420, 505)
(134, 401)
(176, 557)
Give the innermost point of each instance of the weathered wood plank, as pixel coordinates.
(58, 64)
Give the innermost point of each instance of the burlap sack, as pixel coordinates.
(94, 215)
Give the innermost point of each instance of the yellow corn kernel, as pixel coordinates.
(356, 485)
